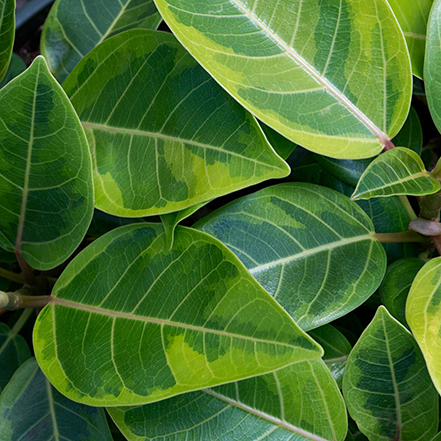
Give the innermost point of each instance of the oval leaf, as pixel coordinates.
(432, 64)
(30, 408)
(397, 172)
(44, 157)
(7, 34)
(386, 385)
(312, 248)
(299, 66)
(336, 347)
(413, 16)
(423, 314)
(301, 399)
(13, 350)
(164, 135)
(144, 323)
(396, 286)
(74, 27)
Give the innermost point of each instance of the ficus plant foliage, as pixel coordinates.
(297, 143)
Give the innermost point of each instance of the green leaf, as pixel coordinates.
(411, 134)
(46, 188)
(396, 286)
(423, 314)
(74, 27)
(312, 248)
(7, 34)
(336, 347)
(412, 16)
(102, 223)
(283, 146)
(432, 64)
(170, 221)
(300, 402)
(386, 385)
(334, 76)
(164, 135)
(16, 67)
(144, 323)
(31, 409)
(13, 350)
(397, 172)
(437, 437)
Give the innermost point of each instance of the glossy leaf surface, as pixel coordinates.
(413, 16)
(283, 146)
(7, 34)
(31, 409)
(275, 406)
(336, 347)
(16, 67)
(333, 76)
(164, 135)
(46, 189)
(432, 64)
(167, 321)
(423, 314)
(13, 352)
(397, 172)
(396, 286)
(310, 247)
(386, 385)
(74, 27)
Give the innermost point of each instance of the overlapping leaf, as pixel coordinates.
(13, 351)
(432, 64)
(7, 34)
(411, 134)
(164, 135)
(144, 323)
(16, 67)
(386, 385)
(413, 16)
(31, 409)
(74, 27)
(423, 314)
(300, 402)
(396, 286)
(336, 347)
(312, 248)
(332, 76)
(397, 172)
(46, 189)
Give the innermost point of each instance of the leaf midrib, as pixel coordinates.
(162, 322)
(312, 251)
(111, 129)
(382, 137)
(278, 422)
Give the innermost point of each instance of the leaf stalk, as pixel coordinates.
(12, 301)
(401, 237)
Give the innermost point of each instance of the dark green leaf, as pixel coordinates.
(7, 34)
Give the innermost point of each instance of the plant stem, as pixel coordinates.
(13, 300)
(408, 207)
(21, 321)
(28, 272)
(389, 145)
(402, 237)
(13, 277)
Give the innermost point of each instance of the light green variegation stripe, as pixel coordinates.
(432, 64)
(397, 172)
(300, 402)
(7, 34)
(334, 76)
(386, 385)
(13, 348)
(423, 314)
(396, 286)
(46, 188)
(413, 16)
(171, 221)
(312, 248)
(164, 135)
(31, 409)
(144, 323)
(336, 347)
(74, 27)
